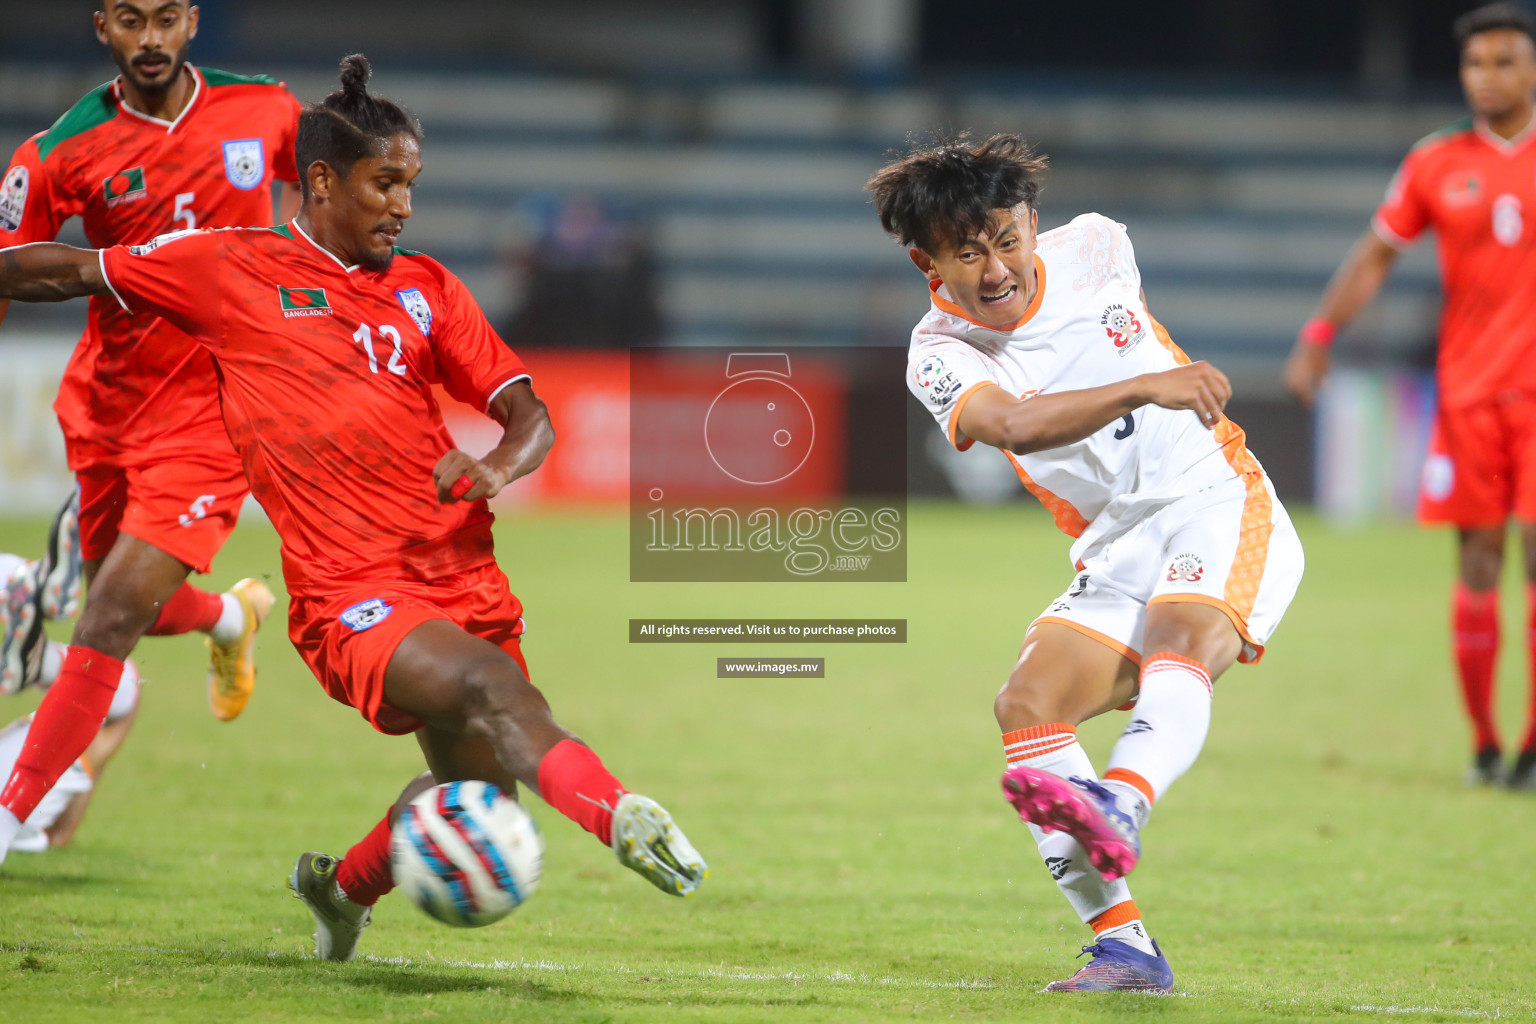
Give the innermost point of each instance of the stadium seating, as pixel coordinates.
(750, 194)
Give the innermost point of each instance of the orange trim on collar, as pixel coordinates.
(952, 309)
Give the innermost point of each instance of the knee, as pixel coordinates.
(492, 689)
(1023, 702)
(419, 785)
(112, 623)
(1482, 558)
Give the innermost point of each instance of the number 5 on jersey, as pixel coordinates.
(364, 337)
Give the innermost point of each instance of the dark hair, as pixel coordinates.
(349, 124)
(947, 191)
(1491, 18)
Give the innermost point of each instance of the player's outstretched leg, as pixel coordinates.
(1083, 809)
(133, 581)
(33, 592)
(488, 722)
(339, 920)
(22, 640)
(1063, 676)
(60, 570)
(340, 894)
(232, 647)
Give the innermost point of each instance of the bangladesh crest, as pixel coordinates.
(244, 164)
(415, 304)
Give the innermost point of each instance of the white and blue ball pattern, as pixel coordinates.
(466, 853)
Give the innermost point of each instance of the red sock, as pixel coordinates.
(574, 782)
(1475, 630)
(66, 721)
(189, 610)
(364, 873)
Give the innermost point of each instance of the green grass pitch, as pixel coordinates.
(1321, 862)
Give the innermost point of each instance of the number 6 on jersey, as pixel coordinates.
(364, 336)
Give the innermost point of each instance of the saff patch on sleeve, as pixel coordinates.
(13, 197)
(415, 304)
(366, 614)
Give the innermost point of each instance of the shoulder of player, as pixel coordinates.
(941, 332)
(93, 110)
(216, 79)
(417, 265)
(1083, 227)
(1441, 138)
(226, 87)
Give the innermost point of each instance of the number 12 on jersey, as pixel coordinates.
(364, 337)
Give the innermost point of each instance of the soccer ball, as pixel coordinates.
(466, 853)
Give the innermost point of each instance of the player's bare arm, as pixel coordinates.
(1353, 287)
(1040, 422)
(525, 441)
(50, 272)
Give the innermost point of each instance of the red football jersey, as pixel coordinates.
(1478, 192)
(133, 382)
(327, 372)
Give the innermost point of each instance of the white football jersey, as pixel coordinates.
(1085, 328)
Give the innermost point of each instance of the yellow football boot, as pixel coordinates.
(232, 672)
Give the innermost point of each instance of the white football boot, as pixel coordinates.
(338, 921)
(646, 840)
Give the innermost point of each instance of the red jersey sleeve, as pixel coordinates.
(1403, 214)
(174, 276)
(284, 165)
(30, 211)
(474, 363)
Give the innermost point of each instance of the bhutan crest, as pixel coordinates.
(1186, 569)
(1123, 327)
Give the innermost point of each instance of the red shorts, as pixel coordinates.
(184, 504)
(348, 636)
(1481, 464)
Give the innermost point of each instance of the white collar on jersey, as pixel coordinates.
(295, 225)
(1498, 142)
(170, 126)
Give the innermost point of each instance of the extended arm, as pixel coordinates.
(993, 416)
(525, 440)
(1353, 286)
(50, 272)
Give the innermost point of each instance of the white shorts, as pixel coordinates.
(1230, 546)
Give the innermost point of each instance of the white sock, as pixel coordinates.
(53, 662)
(231, 621)
(1132, 933)
(9, 826)
(1167, 728)
(1054, 748)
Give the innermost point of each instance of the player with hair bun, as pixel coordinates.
(396, 601)
(1041, 345)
